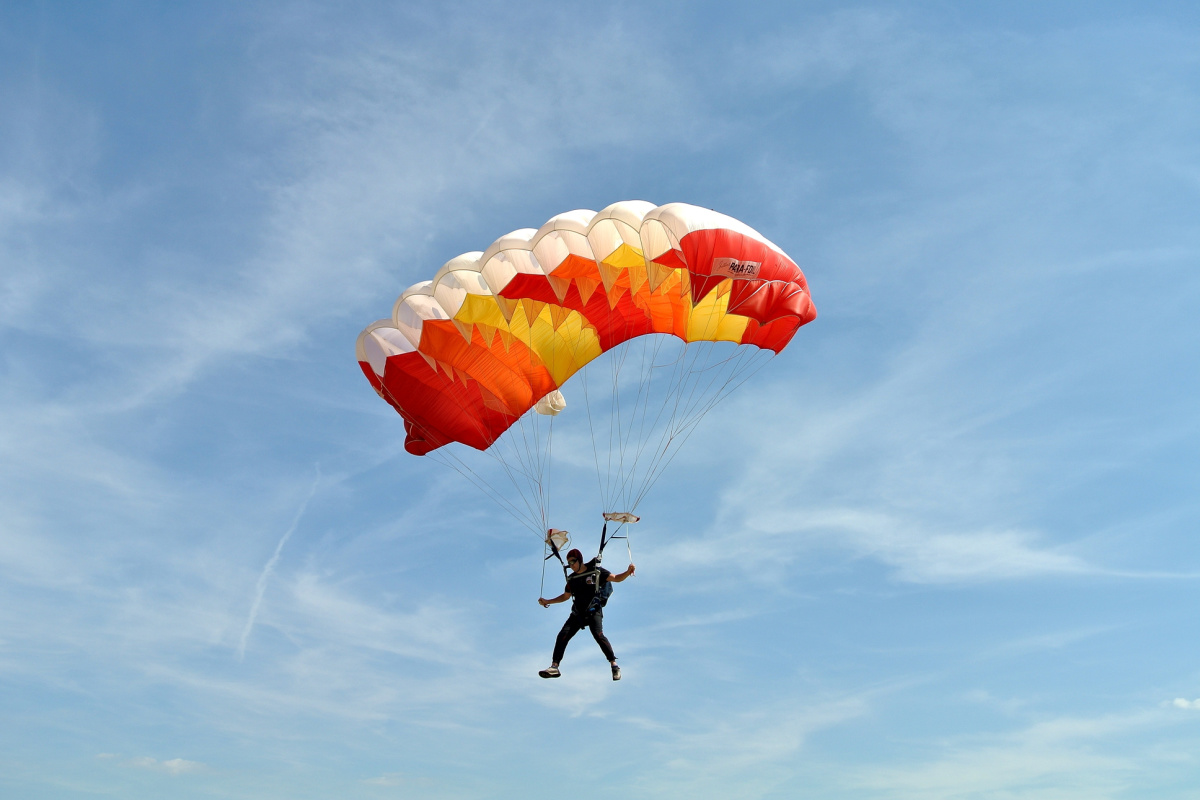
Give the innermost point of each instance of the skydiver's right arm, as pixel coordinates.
(560, 599)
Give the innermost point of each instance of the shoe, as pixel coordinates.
(616, 673)
(551, 672)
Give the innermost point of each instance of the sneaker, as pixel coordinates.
(551, 672)
(616, 672)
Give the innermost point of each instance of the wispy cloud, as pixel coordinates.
(171, 766)
(918, 554)
(1067, 757)
(396, 779)
(755, 751)
(261, 586)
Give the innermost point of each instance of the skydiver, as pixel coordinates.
(585, 589)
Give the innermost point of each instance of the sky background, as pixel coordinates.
(947, 547)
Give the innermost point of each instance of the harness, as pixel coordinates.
(603, 590)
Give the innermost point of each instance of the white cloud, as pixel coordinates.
(919, 555)
(269, 568)
(416, 784)
(1180, 702)
(432, 632)
(755, 751)
(1067, 757)
(764, 535)
(173, 766)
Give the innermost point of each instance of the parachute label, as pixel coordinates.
(732, 268)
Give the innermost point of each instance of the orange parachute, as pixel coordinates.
(469, 352)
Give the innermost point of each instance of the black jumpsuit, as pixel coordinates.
(583, 587)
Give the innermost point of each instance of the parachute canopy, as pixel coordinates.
(496, 332)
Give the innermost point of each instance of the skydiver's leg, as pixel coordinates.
(571, 627)
(596, 625)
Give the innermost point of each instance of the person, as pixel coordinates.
(585, 587)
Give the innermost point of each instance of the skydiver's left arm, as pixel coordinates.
(617, 577)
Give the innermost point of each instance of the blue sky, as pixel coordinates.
(953, 553)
